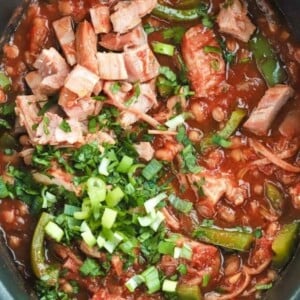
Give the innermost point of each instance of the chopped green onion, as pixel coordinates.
(152, 169)
(186, 251)
(108, 218)
(177, 252)
(96, 189)
(100, 241)
(114, 240)
(205, 280)
(134, 282)
(260, 287)
(125, 164)
(151, 278)
(165, 247)
(153, 202)
(218, 140)
(162, 48)
(65, 126)
(212, 49)
(89, 238)
(159, 218)
(54, 231)
(176, 121)
(5, 82)
(181, 205)
(103, 167)
(174, 33)
(168, 73)
(169, 286)
(147, 220)
(114, 197)
(69, 210)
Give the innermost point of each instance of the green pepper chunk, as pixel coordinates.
(188, 292)
(267, 60)
(284, 244)
(5, 82)
(233, 240)
(274, 195)
(175, 15)
(41, 269)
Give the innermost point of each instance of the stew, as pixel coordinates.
(150, 149)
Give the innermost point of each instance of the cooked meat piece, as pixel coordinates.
(233, 20)
(128, 14)
(264, 114)
(27, 110)
(295, 194)
(145, 101)
(53, 69)
(34, 79)
(100, 137)
(66, 38)
(290, 126)
(144, 150)
(38, 36)
(86, 46)
(91, 251)
(100, 18)
(206, 71)
(141, 64)
(118, 42)
(81, 81)
(112, 66)
(50, 132)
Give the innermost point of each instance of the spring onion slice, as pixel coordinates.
(153, 202)
(163, 48)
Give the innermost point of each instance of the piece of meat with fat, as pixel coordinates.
(118, 42)
(100, 137)
(141, 64)
(290, 125)
(263, 115)
(206, 71)
(144, 102)
(65, 35)
(295, 195)
(27, 110)
(233, 20)
(128, 14)
(49, 131)
(86, 46)
(81, 81)
(33, 80)
(112, 66)
(53, 69)
(100, 17)
(144, 150)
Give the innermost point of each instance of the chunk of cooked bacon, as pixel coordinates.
(66, 38)
(86, 46)
(118, 42)
(290, 125)
(27, 110)
(81, 81)
(100, 18)
(268, 107)
(144, 150)
(233, 20)
(141, 64)
(34, 79)
(128, 14)
(206, 70)
(53, 69)
(112, 66)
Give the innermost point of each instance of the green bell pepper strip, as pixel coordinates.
(231, 126)
(175, 15)
(41, 269)
(188, 292)
(233, 240)
(284, 244)
(274, 195)
(267, 60)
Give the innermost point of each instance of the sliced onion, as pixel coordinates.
(276, 160)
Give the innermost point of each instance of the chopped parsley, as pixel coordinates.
(65, 126)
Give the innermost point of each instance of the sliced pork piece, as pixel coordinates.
(51, 131)
(81, 81)
(141, 64)
(100, 138)
(112, 66)
(53, 69)
(34, 79)
(118, 42)
(100, 18)
(86, 46)
(145, 101)
(206, 70)
(290, 126)
(128, 14)
(295, 194)
(27, 110)
(264, 114)
(233, 20)
(66, 38)
(144, 150)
